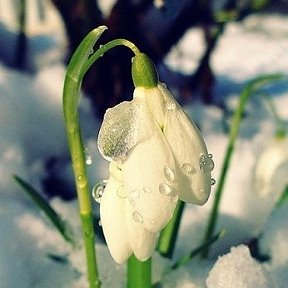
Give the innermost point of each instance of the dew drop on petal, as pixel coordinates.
(206, 163)
(99, 223)
(121, 193)
(137, 217)
(169, 174)
(164, 85)
(213, 181)
(146, 190)
(132, 202)
(188, 168)
(98, 190)
(165, 189)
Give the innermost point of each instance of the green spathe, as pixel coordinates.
(144, 73)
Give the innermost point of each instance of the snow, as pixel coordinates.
(237, 269)
(32, 131)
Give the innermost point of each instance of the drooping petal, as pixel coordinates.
(141, 240)
(190, 152)
(149, 174)
(272, 169)
(114, 222)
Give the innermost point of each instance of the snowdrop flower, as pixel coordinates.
(157, 156)
(271, 169)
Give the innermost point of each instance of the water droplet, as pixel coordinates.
(169, 174)
(137, 217)
(132, 202)
(170, 106)
(121, 193)
(165, 189)
(100, 223)
(100, 46)
(135, 194)
(88, 158)
(146, 190)
(164, 85)
(80, 177)
(188, 168)
(213, 181)
(206, 163)
(91, 51)
(98, 190)
(132, 59)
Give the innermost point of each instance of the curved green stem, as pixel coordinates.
(248, 90)
(79, 64)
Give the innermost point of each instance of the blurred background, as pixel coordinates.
(179, 35)
(205, 51)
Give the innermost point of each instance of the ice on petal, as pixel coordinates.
(118, 133)
(237, 269)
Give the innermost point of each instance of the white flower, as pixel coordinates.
(271, 171)
(157, 157)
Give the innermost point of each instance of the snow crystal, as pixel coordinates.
(237, 270)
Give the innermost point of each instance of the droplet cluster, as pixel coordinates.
(206, 163)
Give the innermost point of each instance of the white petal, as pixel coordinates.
(154, 101)
(152, 194)
(190, 152)
(272, 169)
(141, 240)
(114, 223)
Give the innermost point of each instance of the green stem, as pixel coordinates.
(168, 236)
(248, 90)
(80, 62)
(139, 273)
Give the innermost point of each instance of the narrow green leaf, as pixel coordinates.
(186, 258)
(82, 53)
(62, 226)
(283, 198)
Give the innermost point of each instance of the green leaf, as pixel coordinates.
(186, 258)
(62, 226)
(283, 198)
(82, 53)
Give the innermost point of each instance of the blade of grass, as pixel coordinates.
(62, 226)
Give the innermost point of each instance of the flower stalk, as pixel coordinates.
(168, 235)
(81, 61)
(245, 95)
(139, 274)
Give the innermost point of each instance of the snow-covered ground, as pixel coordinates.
(32, 254)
